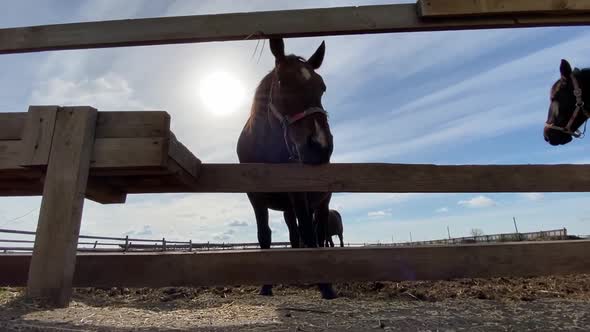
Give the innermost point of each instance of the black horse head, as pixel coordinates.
(567, 111)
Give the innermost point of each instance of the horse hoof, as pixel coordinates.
(266, 290)
(327, 291)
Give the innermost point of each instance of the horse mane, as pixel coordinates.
(260, 99)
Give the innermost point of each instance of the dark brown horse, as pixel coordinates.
(288, 124)
(334, 227)
(567, 111)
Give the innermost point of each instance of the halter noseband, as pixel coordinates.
(288, 120)
(579, 108)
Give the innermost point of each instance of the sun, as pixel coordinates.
(221, 93)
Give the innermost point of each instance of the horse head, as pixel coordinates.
(567, 111)
(295, 100)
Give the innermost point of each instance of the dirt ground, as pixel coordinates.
(519, 304)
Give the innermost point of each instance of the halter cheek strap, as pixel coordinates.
(288, 120)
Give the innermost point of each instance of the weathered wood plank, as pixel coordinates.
(126, 124)
(183, 156)
(256, 25)
(21, 187)
(296, 266)
(11, 125)
(108, 153)
(138, 124)
(10, 152)
(37, 135)
(130, 152)
(173, 179)
(396, 178)
(180, 176)
(442, 8)
(101, 192)
(54, 257)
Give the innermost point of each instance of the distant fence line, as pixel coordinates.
(127, 244)
(556, 234)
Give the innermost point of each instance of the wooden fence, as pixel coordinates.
(127, 244)
(557, 234)
(462, 14)
(68, 153)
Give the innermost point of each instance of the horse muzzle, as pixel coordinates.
(314, 153)
(556, 137)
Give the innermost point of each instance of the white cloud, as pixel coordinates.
(175, 216)
(237, 223)
(225, 236)
(445, 114)
(146, 230)
(108, 92)
(478, 202)
(558, 212)
(533, 196)
(380, 213)
(442, 210)
(368, 201)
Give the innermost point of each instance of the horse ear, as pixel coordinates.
(318, 57)
(565, 68)
(277, 47)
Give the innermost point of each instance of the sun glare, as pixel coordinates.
(221, 93)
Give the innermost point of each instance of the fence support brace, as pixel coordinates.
(54, 254)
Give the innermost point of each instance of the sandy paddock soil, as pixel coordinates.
(520, 304)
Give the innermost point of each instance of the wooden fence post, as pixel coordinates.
(54, 255)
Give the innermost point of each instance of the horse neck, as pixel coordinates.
(259, 113)
(264, 135)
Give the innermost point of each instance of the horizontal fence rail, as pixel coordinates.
(256, 25)
(349, 177)
(255, 267)
(462, 8)
(389, 178)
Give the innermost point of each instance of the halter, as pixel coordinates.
(288, 120)
(579, 108)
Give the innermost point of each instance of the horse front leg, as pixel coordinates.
(322, 214)
(331, 241)
(264, 232)
(291, 221)
(305, 217)
(305, 220)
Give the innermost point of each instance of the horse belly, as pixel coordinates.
(275, 201)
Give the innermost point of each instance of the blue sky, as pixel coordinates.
(464, 97)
